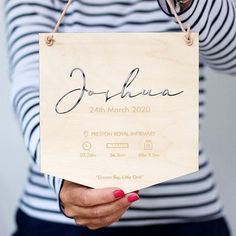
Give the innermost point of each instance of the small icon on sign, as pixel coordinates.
(117, 145)
(148, 145)
(87, 145)
(86, 133)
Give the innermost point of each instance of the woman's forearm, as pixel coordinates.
(24, 68)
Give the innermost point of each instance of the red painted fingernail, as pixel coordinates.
(118, 193)
(133, 198)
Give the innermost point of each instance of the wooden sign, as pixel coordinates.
(119, 109)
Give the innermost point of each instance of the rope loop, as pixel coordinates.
(188, 39)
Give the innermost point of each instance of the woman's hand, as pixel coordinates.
(94, 208)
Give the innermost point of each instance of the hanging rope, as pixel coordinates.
(187, 32)
(50, 39)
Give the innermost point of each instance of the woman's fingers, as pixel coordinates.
(102, 210)
(100, 222)
(92, 197)
(82, 196)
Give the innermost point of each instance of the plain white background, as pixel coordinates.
(218, 134)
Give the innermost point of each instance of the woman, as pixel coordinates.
(189, 205)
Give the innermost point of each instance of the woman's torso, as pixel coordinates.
(190, 198)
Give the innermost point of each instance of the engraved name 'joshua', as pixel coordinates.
(124, 92)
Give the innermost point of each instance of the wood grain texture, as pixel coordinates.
(131, 143)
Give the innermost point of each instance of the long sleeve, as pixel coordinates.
(215, 20)
(24, 22)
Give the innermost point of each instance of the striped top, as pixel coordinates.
(186, 199)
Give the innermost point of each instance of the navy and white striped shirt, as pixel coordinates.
(190, 198)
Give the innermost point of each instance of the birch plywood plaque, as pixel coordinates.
(119, 109)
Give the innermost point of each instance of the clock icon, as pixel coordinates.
(86, 145)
